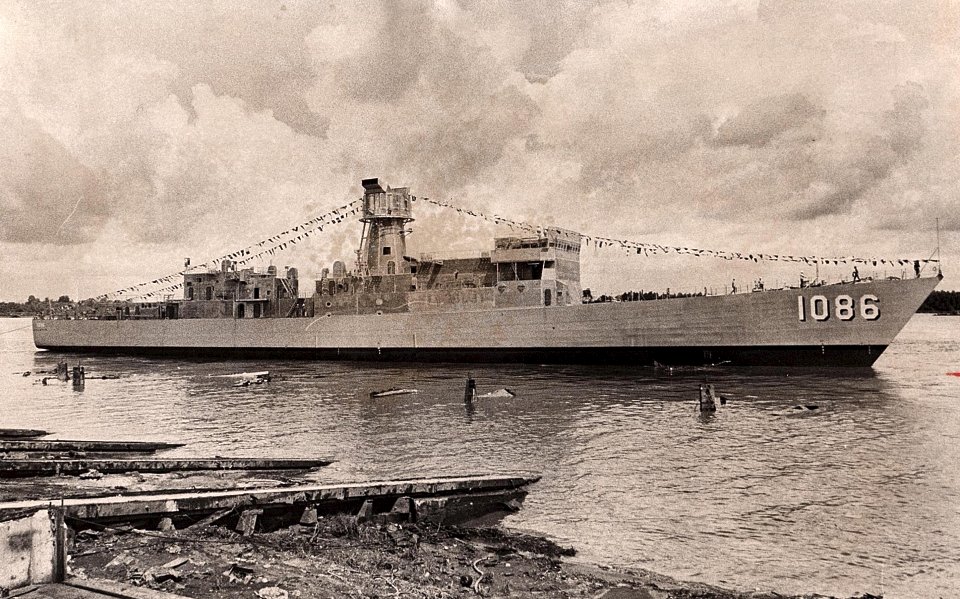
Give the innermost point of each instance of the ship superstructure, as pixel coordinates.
(517, 272)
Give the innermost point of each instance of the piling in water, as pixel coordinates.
(470, 391)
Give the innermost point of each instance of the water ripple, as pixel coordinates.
(858, 495)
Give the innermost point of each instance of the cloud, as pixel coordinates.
(904, 123)
(46, 194)
(761, 121)
(841, 179)
(199, 127)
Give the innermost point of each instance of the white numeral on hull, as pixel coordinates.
(844, 307)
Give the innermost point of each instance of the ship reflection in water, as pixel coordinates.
(858, 495)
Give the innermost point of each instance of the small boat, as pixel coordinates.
(394, 391)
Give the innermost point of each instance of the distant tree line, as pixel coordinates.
(33, 306)
(942, 302)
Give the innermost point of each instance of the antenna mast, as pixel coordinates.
(939, 264)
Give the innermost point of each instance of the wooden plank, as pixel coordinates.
(110, 588)
(24, 591)
(211, 519)
(21, 433)
(62, 591)
(77, 445)
(248, 522)
(17, 468)
(119, 507)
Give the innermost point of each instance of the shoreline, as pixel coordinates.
(340, 558)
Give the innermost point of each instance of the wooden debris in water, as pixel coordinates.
(21, 433)
(393, 391)
(17, 468)
(62, 445)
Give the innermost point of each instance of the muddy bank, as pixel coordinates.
(336, 557)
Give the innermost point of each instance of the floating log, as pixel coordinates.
(260, 374)
(69, 445)
(394, 391)
(504, 393)
(21, 433)
(18, 468)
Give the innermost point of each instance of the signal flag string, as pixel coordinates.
(268, 246)
(648, 249)
(293, 235)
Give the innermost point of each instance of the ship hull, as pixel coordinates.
(847, 325)
(764, 355)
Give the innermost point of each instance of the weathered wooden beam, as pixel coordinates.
(99, 587)
(18, 468)
(211, 519)
(91, 446)
(248, 522)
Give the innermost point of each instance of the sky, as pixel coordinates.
(140, 133)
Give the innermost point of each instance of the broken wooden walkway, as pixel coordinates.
(34, 533)
(428, 493)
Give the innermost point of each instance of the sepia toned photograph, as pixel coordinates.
(599, 299)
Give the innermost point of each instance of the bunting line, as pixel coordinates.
(647, 249)
(269, 246)
(289, 237)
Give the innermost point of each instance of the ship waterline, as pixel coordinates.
(847, 324)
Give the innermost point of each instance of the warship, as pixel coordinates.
(519, 302)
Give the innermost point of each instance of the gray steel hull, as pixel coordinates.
(799, 327)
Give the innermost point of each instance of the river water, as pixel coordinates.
(859, 495)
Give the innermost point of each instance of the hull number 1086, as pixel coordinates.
(843, 307)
